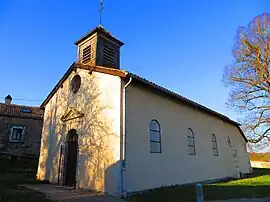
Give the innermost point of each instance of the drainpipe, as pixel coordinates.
(123, 137)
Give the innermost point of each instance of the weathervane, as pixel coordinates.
(100, 11)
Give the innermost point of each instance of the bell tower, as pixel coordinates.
(99, 48)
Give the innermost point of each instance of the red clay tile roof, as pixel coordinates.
(20, 111)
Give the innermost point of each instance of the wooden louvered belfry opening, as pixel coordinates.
(99, 48)
(109, 54)
(86, 57)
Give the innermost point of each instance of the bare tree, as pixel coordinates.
(249, 77)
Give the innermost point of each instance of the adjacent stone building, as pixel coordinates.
(20, 128)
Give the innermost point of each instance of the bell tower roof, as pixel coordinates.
(99, 30)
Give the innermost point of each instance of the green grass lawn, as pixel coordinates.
(20, 172)
(257, 185)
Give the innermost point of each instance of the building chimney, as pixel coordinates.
(8, 99)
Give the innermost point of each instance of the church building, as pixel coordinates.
(109, 130)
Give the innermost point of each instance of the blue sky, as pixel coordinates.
(182, 45)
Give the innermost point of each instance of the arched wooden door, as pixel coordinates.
(71, 158)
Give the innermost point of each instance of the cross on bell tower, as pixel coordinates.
(99, 47)
(100, 12)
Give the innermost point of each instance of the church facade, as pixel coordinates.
(109, 130)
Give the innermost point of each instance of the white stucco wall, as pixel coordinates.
(145, 170)
(98, 131)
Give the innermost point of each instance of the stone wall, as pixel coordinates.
(32, 135)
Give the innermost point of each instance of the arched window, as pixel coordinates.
(155, 137)
(214, 144)
(191, 142)
(229, 141)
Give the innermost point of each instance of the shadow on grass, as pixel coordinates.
(252, 187)
(259, 172)
(15, 173)
(211, 192)
(215, 192)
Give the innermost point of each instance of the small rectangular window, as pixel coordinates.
(26, 111)
(17, 134)
(86, 54)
